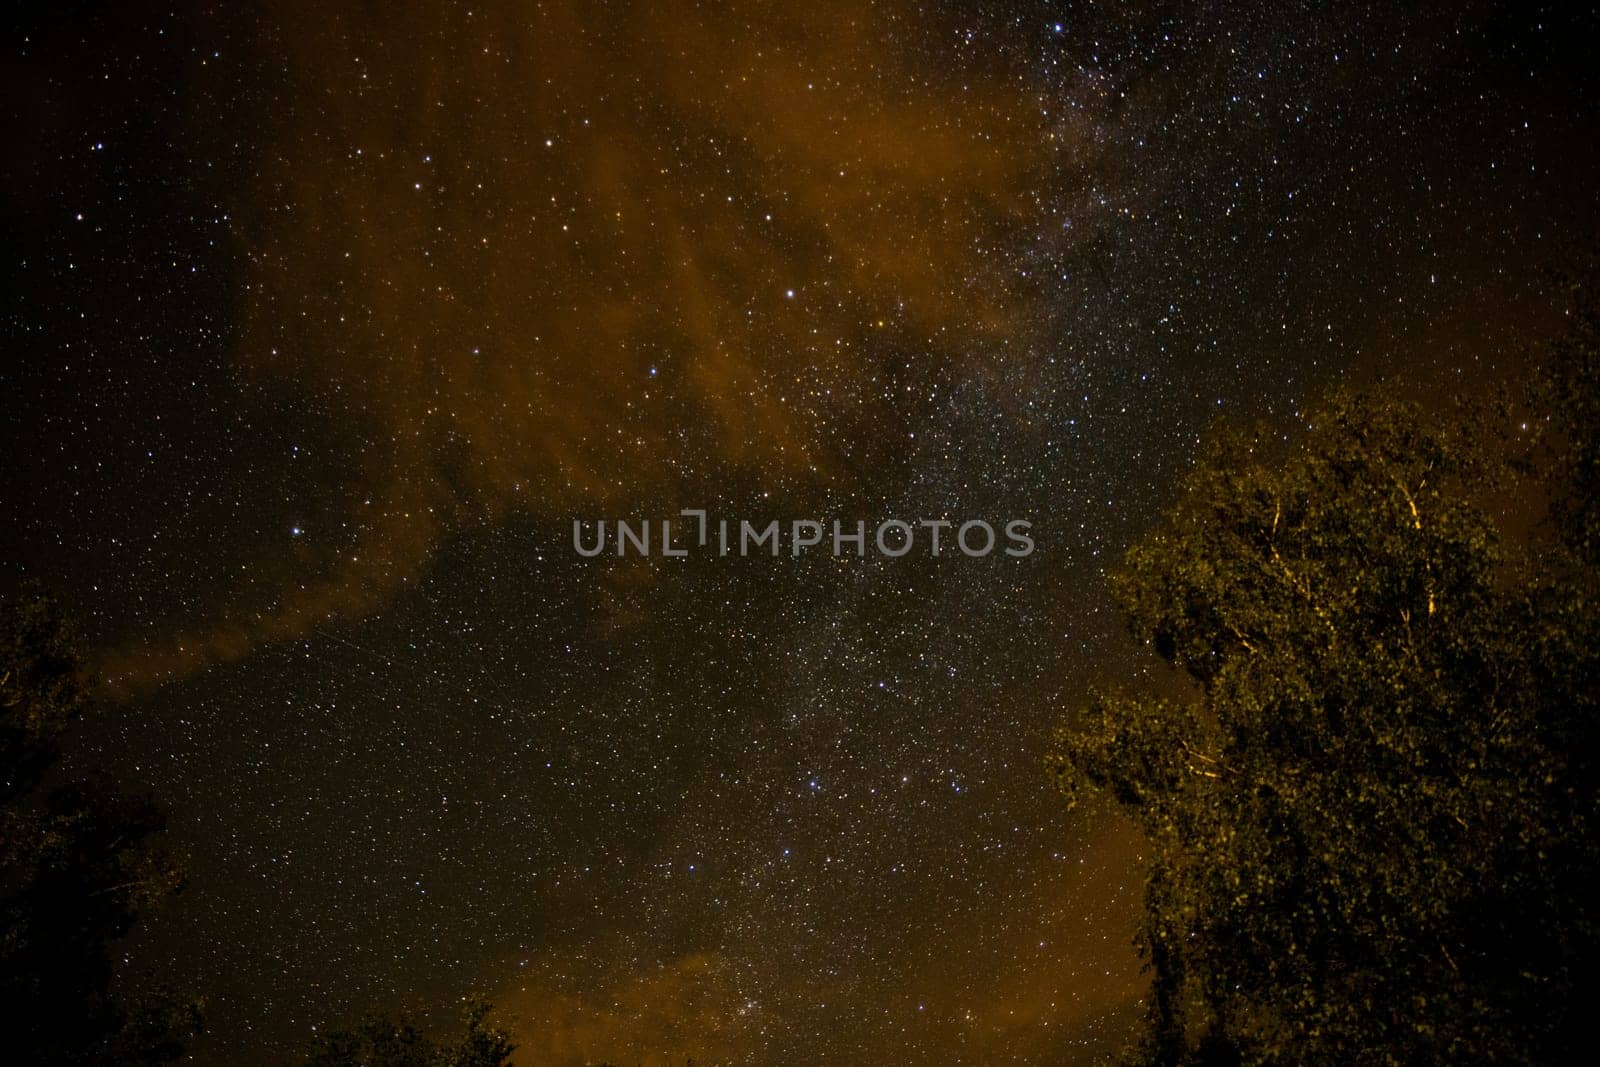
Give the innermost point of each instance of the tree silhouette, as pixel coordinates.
(382, 1041)
(78, 866)
(1370, 811)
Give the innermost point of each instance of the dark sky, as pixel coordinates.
(323, 327)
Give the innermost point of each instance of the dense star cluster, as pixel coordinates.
(326, 325)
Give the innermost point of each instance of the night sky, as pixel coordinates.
(322, 328)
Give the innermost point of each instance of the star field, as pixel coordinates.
(326, 325)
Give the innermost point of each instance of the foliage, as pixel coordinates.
(381, 1041)
(1371, 818)
(77, 868)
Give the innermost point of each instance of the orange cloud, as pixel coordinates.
(1063, 983)
(547, 256)
(690, 1008)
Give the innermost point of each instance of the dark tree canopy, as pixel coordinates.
(1371, 821)
(78, 865)
(382, 1041)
